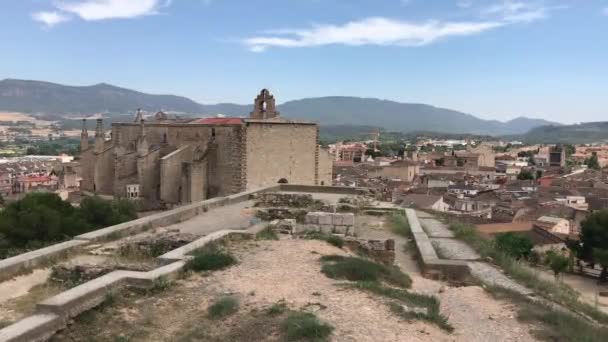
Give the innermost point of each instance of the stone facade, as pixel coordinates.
(176, 161)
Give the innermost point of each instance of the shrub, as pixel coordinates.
(210, 260)
(305, 326)
(329, 238)
(514, 244)
(557, 262)
(399, 225)
(335, 241)
(357, 269)
(277, 308)
(267, 234)
(223, 307)
(42, 218)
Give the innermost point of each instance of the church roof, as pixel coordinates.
(219, 121)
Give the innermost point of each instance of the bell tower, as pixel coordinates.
(264, 106)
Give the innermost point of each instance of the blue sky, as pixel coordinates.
(495, 59)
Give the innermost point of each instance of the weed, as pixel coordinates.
(329, 238)
(550, 290)
(553, 324)
(267, 234)
(305, 326)
(357, 269)
(210, 259)
(399, 225)
(277, 308)
(416, 300)
(223, 307)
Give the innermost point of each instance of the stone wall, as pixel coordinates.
(332, 223)
(104, 171)
(171, 173)
(326, 164)
(280, 150)
(431, 264)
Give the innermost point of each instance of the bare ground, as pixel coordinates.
(289, 270)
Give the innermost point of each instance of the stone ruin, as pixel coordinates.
(331, 223)
(156, 245)
(380, 250)
(75, 274)
(284, 200)
(286, 226)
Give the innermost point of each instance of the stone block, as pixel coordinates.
(326, 228)
(341, 230)
(311, 218)
(326, 219)
(346, 219)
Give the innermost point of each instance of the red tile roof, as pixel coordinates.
(219, 121)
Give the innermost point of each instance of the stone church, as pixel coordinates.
(165, 162)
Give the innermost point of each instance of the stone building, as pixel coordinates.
(165, 162)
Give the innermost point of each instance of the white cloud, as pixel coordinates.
(50, 19)
(518, 11)
(464, 3)
(370, 31)
(605, 11)
(111, 9)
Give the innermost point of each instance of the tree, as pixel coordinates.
(516, 245)
(557, 262)
(42, 218)
(594, 241)
(570, 150)
(592, 162)
(525, 175)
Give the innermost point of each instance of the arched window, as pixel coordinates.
(283, 181)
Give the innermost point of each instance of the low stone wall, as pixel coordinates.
(332, 223)
(25, 262)
(345, 190)
(430, 263)
(53, 314)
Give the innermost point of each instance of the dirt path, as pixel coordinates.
(475, 315)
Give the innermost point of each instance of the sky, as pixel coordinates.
(496, 59)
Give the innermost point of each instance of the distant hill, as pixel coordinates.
(56, 101)
(583, 133)
(49, 98)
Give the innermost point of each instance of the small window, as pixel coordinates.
(283, 181)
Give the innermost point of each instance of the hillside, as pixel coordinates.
(583, 133)
(54, 101)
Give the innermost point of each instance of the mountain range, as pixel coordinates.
(55, 101)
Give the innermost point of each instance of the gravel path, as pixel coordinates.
(492, 276)
(435, 228)
(454, 249)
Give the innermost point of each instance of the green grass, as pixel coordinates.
(551, 290)
(329, 238)
(552, 324)
(399, 225)
(223, 307)
(210, 259)
(277, 308)
(304, 326)
(358, 269)
(430, 303)
(267, 234)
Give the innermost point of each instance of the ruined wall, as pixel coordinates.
(125, 173)
(104, 172)
(326, 165)
(171, 173)
(225, 174)
(280, 150)
(148, 172)
(87, 169)
(199, 181)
